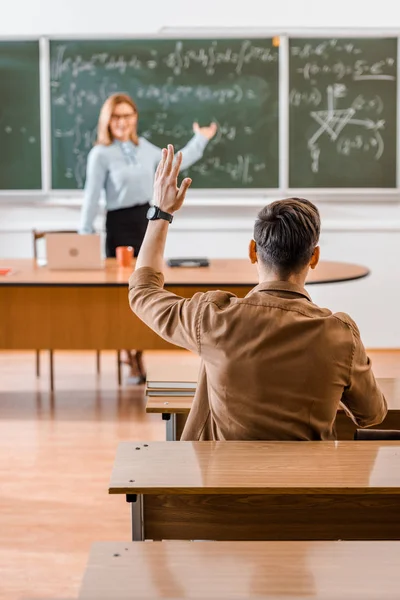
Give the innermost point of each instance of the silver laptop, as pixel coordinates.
(72, 251)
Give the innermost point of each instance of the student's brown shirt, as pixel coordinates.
(274, 365)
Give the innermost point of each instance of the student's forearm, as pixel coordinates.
(152, 251)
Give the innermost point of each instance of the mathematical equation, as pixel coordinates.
(165, 95)
(337, 124)
(314, 97)
(324, 48)
(241, 170)
(358, 70)
(208, 57)
(361, 143)
(225, 130)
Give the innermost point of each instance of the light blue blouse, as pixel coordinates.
(126, 173)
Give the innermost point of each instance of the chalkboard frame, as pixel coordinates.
(221, 197)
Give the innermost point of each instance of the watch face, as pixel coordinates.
(152, 212)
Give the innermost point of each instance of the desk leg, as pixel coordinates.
(136, 502)
(170, 426)
(51, 365)
(119, 368)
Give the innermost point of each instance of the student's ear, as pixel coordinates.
(253, 252)
(315, 257)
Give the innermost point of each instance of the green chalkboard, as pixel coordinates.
(20, 162)
(342, 112)
(174, 82)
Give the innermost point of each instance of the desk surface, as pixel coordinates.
(169, 404)
(225, 272)
(256, 468)
(233, 570)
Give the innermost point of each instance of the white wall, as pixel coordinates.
(367, 233)
(22, 17)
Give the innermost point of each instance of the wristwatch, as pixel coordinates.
(154, 213)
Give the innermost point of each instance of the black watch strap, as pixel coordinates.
(164, 215)
(154, 213)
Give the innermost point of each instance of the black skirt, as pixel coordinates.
(126, 227)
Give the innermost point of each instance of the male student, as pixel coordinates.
(274, 365)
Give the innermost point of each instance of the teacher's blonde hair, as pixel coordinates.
(104, 136)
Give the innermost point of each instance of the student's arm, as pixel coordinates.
(96, 173)
(177, 320)
(362, 397)
(173, 318)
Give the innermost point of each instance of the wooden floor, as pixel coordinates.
(55, 464)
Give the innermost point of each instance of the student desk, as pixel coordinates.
(243, 570)
(175, 410)
(260, 490)
(88, 310)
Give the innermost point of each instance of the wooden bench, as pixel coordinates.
(233, 570)
(260, 490)
(175, 410)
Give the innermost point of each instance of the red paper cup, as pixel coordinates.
(124, 255)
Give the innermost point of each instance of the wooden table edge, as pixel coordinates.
(253, 491)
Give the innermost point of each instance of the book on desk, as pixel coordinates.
(171, 388)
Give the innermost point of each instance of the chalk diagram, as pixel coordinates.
(333, 121)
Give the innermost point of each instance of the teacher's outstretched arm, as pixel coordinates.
(194, 149)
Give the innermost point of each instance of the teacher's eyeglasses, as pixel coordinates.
(126, 116)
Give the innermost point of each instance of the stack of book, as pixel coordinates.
(177, 378)
(171, 388)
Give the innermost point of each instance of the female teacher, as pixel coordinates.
(123, 164)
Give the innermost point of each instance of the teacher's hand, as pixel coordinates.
(208, 132)
(167, 195)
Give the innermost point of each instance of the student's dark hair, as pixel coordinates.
(286, 233)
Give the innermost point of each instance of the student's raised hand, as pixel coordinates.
(208, 132)
(167, 195)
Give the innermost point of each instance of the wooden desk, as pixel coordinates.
(175, 410)
(88, 310)
(239, 570)
(260, 490)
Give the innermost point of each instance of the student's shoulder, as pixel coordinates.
(219, 298)
(348, 322)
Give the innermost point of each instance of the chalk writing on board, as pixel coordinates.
(240, 170)
(209, 58)
(342, 112)
(332, 122)
(359, 71)
(165, 95)
(9, 130)
(174, 84)
(325, 48)
(326, 70)
(351, 63)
